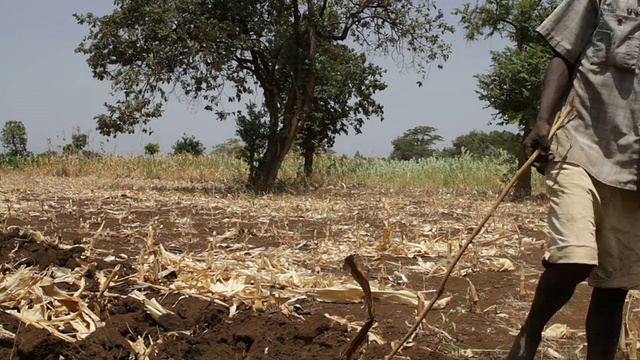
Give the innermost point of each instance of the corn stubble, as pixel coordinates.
(375, 215)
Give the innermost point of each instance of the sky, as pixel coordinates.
(49, 87)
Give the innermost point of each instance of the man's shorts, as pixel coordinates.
(593, 223)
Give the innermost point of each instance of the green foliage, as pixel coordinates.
(481, 144)
(90, 154)
(12, 162)
(515, 20)
(77, 145)
(209, 173)
(416, 143)
(512, 85)
(231, 148)
(344, 99)
(14, 138)
(152, 149)
(48, 154)
(188, 145)
(204, 50)
(253, 130)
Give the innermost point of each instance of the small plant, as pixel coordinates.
(188, 145)
(77, 145)
(152, 149)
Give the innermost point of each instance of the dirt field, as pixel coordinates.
(260, 277)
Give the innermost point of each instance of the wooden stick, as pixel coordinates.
(558, 123)
(361, 336)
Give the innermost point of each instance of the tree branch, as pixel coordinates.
(354, 18)
(323, 8)
(351, 20)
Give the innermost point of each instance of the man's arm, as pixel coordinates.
(556, 83)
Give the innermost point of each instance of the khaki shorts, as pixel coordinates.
(593, 223)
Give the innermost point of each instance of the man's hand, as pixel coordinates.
(538, 138)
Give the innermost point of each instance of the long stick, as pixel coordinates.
(558, 123)
(371, 313)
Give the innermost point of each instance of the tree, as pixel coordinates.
(188, 145)
(79, 142)
(231, 148)
(14, 138)
(415, 143)
(481, 144)
(346, 84)
(513, 84)
(152, 149)
(201, 50)
(253, 130)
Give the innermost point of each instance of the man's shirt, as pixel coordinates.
(604, 44)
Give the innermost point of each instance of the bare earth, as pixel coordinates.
(274, 263)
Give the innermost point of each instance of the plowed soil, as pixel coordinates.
(202, 329)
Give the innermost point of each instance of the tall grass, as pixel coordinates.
(465, 173)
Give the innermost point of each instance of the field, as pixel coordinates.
(134, 258)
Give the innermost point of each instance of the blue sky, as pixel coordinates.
(49, 88)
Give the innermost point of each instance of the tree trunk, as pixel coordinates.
(279, 145)
(264, 178)
(309, 152)
(297, 107)
(522, 188)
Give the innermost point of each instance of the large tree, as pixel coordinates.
(416, 143)
(14, 138)
(513, 84)
(212, 51)
(345, 89)
(482, 144)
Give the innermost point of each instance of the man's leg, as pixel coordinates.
(555, 288)
(604, 322)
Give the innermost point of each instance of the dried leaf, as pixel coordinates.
(552, 353)
(502, 265)
(557, 331)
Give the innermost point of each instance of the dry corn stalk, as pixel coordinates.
(6, 334)
(561, 119)
(633, 347)
(104, 285)
(143, 350)
(43, 305)
(523, 289)
(474, 300)
(153, 306)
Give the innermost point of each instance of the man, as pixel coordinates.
(591, 168)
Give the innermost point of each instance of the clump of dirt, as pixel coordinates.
(198, 329)
(35, 343)
(17, 246)
(202, 329)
